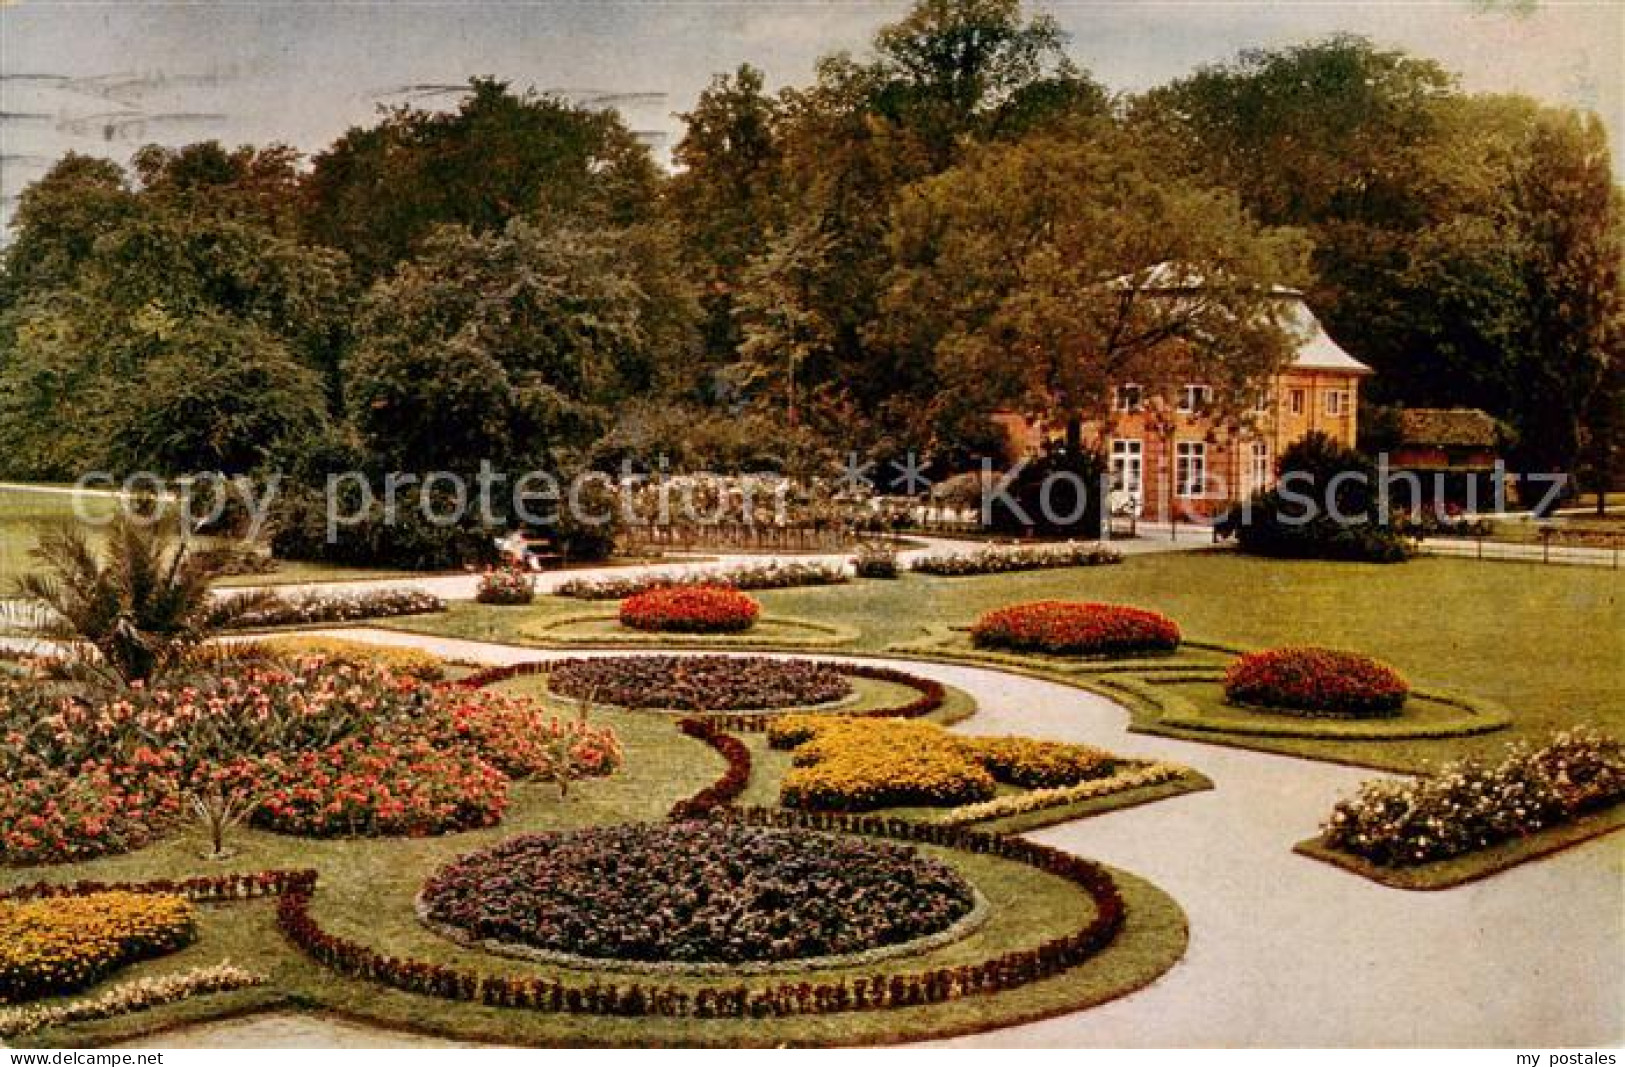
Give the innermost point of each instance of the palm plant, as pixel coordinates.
(140, 606)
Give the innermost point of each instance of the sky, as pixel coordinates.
(106, 78)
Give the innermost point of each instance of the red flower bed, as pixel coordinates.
(698, 609)
(382, 788)
(1316, 682)
(1069, 628)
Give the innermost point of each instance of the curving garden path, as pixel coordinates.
(1284, 951)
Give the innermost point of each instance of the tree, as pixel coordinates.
(58, 220)
(143, 603)
(1326, 505)
(380, 190)
(1570, 213)
(724, 194)
(219, 397)
(1035, 275)
(500, 346)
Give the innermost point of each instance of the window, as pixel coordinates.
(1261, 403)
(1258, 465)
(1190, 468)
(1337, 402)
(1128, 398)
(1193, 399)
(1295, 401)
(1127, 467)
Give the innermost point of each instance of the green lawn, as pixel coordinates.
(1545, 642)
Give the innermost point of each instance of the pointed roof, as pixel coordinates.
(1316, 350)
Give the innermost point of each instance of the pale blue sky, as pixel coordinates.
(106, 78)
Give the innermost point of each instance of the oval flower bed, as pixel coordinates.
(1316, 682)
(695, 893)
(60, 945)
(1071, 628)
(700, 683)
(691, 609)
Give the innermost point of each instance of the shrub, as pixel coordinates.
(397, 659)
(506, 585)
(1046, 493)
(697, 892)
(1067, 628)
(699, 683)
(1320, 479)
(1000, 559)
(60, 945)
(1316, 682)
(744, 577)
(698, 609)
(300, 609)
(875, 561)
(377, 535)
(1469, 806)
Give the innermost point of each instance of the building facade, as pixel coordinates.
(1169, 458)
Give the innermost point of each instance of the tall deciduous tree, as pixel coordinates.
(1033, 275)
(380, 190)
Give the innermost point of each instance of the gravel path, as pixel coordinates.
(1285, 951)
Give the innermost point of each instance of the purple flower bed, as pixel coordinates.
(700, 683)
(698, 892)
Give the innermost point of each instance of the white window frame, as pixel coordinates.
(1262, 403)
(1297, 400)
(1337, 403)
(1121, 401)
(1128, 453)
(1194, 398)
(1190, 469)
(1258, 464)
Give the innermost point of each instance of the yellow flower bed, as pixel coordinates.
(861, 764)
(858, 764)
(1039, 764)
(413, 662)
(61, 944)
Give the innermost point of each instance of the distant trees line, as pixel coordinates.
(872, 261)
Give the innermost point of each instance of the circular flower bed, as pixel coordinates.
(700, 683)
(696, 893)
(1069, 628)
(1316, 682)
(693, 609)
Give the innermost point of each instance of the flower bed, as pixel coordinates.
(1009, 970)
(696, 893)
(932, 695)
(1316, 682)
(299, 609)
(744, 577)
(313, 747)
(128, 998)
(697, 609)
(700, 683)
(859, 764)
(506, 585)
(1137, 776)
(1007, 560)
(1068, 628)
(50, 947)
(373, 788)
(1469, 806)
(399, 659)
